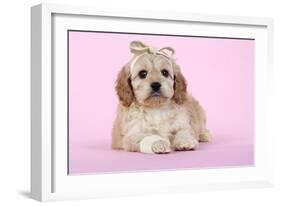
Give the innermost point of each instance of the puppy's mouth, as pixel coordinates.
(155, 99)
(155, 94)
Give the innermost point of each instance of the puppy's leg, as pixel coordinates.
(155, 144)
(184, 140)
(198, 120)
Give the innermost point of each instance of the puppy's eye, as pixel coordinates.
(142, 74)
(165, 73)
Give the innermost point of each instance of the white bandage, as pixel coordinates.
(147, 142)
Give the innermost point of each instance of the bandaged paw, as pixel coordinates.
(155, 144)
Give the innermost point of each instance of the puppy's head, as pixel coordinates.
(151, 78)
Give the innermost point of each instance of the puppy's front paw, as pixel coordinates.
(155, 144)
(183, 144)
(160, 147)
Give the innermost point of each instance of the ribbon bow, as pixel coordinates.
(139, 49)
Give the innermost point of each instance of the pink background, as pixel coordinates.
(219, 74)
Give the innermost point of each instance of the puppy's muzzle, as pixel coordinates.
(155, 86)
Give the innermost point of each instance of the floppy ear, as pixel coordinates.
(124, 88)
(180, 93)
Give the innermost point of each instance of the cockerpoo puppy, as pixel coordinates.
(156, 114)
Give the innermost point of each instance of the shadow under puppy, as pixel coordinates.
(155, 113)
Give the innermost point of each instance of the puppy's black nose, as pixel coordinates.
(155, 86)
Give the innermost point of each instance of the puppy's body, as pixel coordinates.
(182, 125)
(156, 120)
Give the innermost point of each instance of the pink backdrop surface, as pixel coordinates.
(219, 74)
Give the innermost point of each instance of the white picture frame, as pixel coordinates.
(49, 179)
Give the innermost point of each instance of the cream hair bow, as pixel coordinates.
(139, 49)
